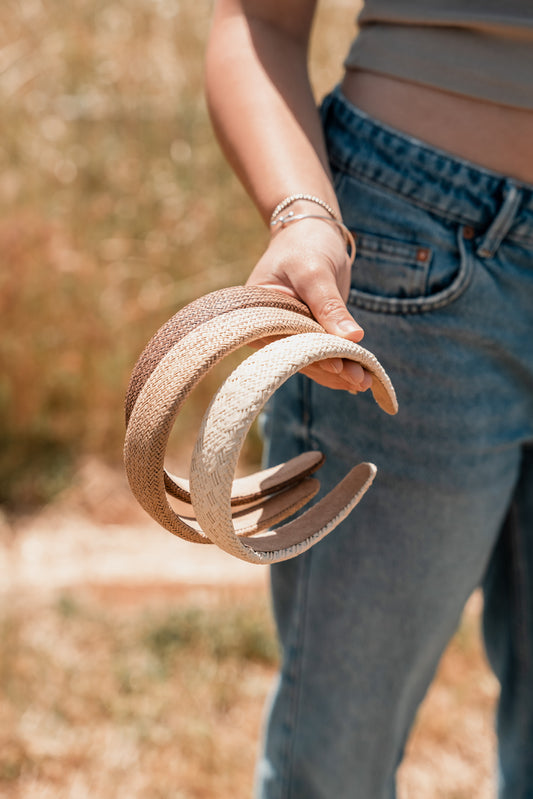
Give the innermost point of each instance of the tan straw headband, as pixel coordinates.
(224, 321)
(190, 318)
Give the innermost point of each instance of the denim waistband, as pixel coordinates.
(444, 184)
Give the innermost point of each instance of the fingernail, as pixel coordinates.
(347, 326)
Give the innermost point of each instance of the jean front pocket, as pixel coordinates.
(398, 277)
(408, 260)
(389, 268)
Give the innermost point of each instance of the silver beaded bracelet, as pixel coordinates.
(288, 219)
(294, 198)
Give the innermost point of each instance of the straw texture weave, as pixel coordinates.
(225, 425)
(174, 330)
(168, 386)
(175, 360)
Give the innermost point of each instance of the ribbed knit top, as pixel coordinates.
(477, 48)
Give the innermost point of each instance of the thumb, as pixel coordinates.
(329, 309)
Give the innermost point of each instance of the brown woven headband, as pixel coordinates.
(196, 347)
(159, 388)
(189, 318)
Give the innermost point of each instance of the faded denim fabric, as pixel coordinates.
(443, 287)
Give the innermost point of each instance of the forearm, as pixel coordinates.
(262, 105)
(265, 116)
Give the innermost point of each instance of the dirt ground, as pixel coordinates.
(95, 539)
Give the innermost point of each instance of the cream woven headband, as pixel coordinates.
(174, 361)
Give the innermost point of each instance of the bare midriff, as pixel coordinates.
(497, 137)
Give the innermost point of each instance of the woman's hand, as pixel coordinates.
(308, 261)
(264, 113)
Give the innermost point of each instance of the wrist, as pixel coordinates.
(284, 220)
(305, 203)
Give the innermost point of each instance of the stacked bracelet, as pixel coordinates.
(288, 219)
(294, 198)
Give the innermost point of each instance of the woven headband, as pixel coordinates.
(174, 362)
(190, 318)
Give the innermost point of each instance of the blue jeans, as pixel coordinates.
(443, 287)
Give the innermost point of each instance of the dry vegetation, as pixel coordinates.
(145, 700)
(158, 694)
(116, 209)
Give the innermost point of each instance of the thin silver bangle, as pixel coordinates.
(310, 198)
(347, 235)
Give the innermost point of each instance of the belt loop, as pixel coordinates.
(502, 222)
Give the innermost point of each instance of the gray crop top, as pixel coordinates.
(478, 48)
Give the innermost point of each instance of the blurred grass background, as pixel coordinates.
(116, 209)
(118, 691)
(112, 695)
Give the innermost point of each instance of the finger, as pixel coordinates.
(367, 382)
(353, 373)
(326, 379)
(332, 365)
(350, 373)
(355, 377)
(328, 308)
(361, 381)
